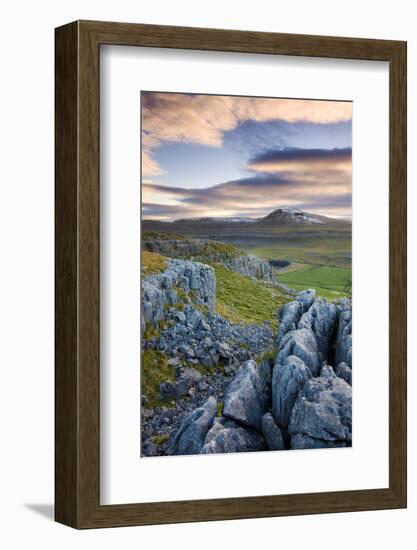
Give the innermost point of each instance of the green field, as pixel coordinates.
(314, 251)
(329, 282)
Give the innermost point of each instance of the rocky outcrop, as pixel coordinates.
(301, 399)
(159, 291)
(252, 266)
(206, 250)
(247, 398)
(310, 399)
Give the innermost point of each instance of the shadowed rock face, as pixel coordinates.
(227, 436)
(247, 397)
(272, 433)
(288, 379)
(344, 335)
(320, 318)
(189, 439)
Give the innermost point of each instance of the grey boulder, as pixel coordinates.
(189, 439)
(247, 397)
(323, 410)
(227, 436)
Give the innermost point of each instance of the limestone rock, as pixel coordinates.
(323, 410)
(227, 436)
(272, 433)
(306, 298)
(301, 343)
(288, 379)
(320, 318)
(301, 441)
(344, 372)
(246, 399)
(289, 316)
(189, 439)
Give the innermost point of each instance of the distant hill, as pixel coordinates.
(242, 230)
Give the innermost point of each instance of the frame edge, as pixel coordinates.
(66, 275)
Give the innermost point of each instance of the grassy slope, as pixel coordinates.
(152, 263)
(243, 300)
(329, 282)
(154, 371)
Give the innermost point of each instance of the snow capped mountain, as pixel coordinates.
(289, 216)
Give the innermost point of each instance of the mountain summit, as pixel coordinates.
(291, 216)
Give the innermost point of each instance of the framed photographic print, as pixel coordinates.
(230, 274)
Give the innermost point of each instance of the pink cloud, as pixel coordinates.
(203, 119)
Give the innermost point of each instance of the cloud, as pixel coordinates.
(294, 159)
(203, 119)
(149, 166)
(252, 196)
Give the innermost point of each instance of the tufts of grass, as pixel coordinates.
(221, 248)
(154, 371)
(182, 295)
(152, 263)
(219, 408)
(160, 439)
(243, 300)
(269, 355)
(149, 236)
(150, 331)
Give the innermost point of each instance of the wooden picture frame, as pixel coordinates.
(77, 403)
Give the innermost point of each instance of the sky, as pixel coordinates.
(230, 156)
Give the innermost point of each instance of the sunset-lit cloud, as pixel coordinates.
(303, 160)
(317, 180)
